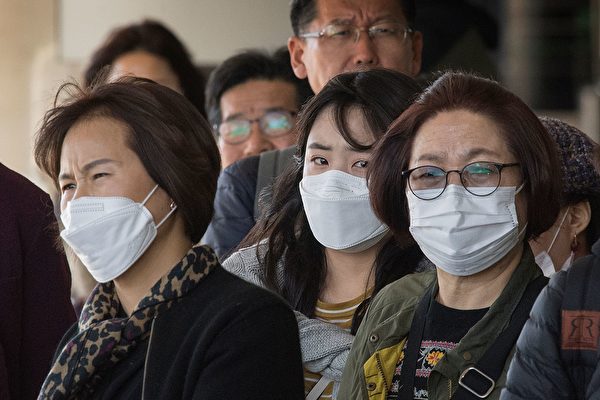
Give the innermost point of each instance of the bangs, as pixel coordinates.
(341, 115)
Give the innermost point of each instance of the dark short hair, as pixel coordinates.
(380, 96)
(526, 138)
(303, 12)
(247, 66)
(173, 141)
(155, 38)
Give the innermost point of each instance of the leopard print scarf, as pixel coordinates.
(105, 339)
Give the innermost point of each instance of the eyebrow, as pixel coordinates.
(472, 153)
(266, 110)
(319, 146)
(376, 20)
(87, 167)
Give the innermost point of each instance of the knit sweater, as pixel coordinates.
(325, 347)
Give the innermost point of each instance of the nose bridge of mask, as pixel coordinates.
(456, 201)
(89, 209)
(335, 184)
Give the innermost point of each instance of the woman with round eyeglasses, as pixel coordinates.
(472, 173)
(319, 244)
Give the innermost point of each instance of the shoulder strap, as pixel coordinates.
(318, 389)
(580, 313)
(413, 345)
(479, 381)
(270, 165)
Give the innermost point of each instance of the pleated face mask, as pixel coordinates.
(109, 234)
(339, 212)
(462, 233)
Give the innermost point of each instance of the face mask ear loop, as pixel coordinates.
(150, 195)
(520, 188)
(173, 208)
(562, 221)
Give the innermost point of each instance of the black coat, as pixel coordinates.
(538, 370)
(35, 304)
(227, 340)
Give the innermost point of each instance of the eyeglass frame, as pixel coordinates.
(357, 30)
(406, 174)
(292, 115)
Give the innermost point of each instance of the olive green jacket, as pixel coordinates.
(381, 336)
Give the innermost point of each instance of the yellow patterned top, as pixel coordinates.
(341, 315)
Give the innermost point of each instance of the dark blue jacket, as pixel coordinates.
(538, 369)
(234, 206)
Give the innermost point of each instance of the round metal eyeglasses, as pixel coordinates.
(480, 178)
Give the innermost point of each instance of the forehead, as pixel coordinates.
(143, 64)
(95, 137)
(325, 131)
(258, 95)
(358, 10)
(459, 136)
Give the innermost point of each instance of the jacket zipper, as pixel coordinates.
(380, 368)
(146, 359)
(449, 389)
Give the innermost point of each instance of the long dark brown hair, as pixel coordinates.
(380, 95)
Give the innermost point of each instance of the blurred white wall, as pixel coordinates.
(44, 43)
(211, 29)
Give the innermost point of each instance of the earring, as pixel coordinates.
(574, 243)
(172, 204)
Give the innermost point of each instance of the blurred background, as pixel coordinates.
(546, 51)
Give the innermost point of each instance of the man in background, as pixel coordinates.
(330, 37)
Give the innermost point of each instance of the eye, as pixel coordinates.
(319, 161)
(99, 175)
(338, 31)
(427, 173)
(68, 186)
(385, 29)
(361, 164)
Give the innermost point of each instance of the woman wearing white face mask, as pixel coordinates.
(321, 247)
(137, 167)
(578, 224)
(470, 170)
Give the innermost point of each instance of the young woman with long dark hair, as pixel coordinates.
(318, 244)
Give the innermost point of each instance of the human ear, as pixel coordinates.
(580, 215)
(417, 50)
(296, 49)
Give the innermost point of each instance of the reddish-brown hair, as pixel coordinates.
(525, 136)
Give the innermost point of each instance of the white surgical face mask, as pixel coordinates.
(109, 234)
(543, 259)
(339, 212)
(464, 234)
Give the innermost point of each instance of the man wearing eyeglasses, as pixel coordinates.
(252, 102)
(330, 37)
(335, 36)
